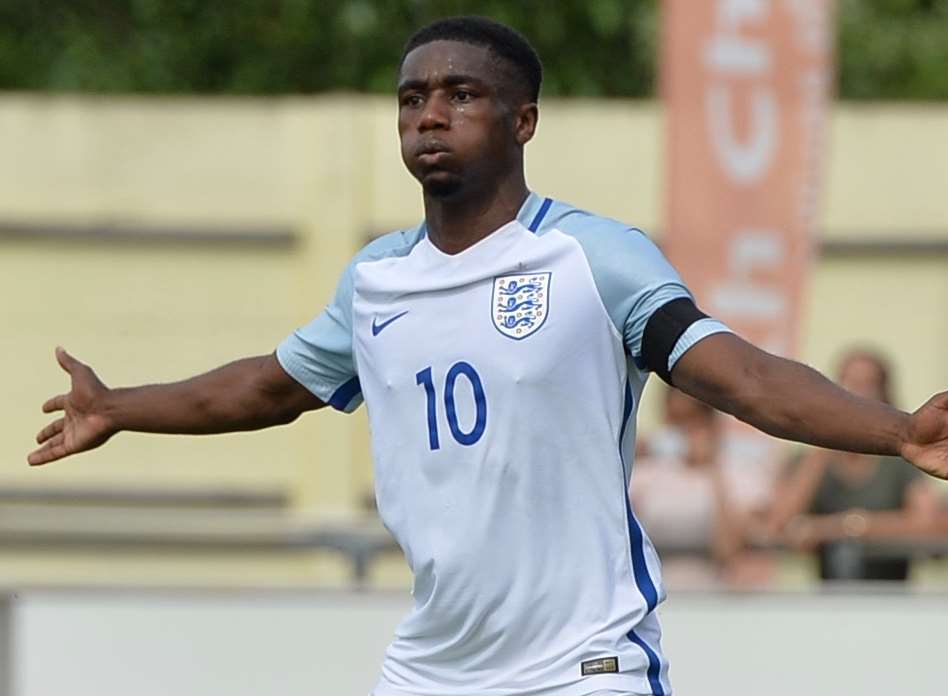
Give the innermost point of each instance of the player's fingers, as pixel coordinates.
(940, 401)
(53, 428)
(54, 449)
(55, 404)
(66, 361)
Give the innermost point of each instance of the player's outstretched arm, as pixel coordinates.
(792, 401)
(247, 394)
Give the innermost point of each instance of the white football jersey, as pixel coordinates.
(502, 384)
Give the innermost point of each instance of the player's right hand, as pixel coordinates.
(84, 424)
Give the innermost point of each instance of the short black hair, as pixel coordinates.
(498, 38)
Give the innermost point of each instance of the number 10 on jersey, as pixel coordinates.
(425, 379)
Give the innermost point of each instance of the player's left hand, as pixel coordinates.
(926, 441)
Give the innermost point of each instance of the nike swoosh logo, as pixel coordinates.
(377, 328)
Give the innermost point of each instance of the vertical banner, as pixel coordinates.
(746, 85)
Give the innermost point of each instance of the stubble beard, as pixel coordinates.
(442, 188)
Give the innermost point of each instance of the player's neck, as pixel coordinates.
(454, 225)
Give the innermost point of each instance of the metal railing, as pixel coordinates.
(214, 519)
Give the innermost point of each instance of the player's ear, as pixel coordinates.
(527, 116)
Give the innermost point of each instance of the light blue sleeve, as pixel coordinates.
(319, 355)
(633, 277)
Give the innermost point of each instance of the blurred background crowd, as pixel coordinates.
(183, 182)
(853, 517)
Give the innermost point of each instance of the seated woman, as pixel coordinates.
(679, 493)
(832, 502)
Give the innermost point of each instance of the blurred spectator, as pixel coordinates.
(669, 440)
(750, 481)
(834, 502)
(680, 495)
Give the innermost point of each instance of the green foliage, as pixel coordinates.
(892, 49)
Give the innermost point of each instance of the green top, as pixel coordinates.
(884, 490)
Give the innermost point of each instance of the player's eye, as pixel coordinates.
(411, 100)
(463, 96)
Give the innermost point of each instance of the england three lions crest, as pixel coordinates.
(520, 303)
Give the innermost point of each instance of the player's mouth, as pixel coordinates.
(432, 151)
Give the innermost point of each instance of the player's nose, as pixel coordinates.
(435, 116)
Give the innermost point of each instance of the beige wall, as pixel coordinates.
(328, 168)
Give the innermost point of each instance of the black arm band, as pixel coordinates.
(664, 328)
